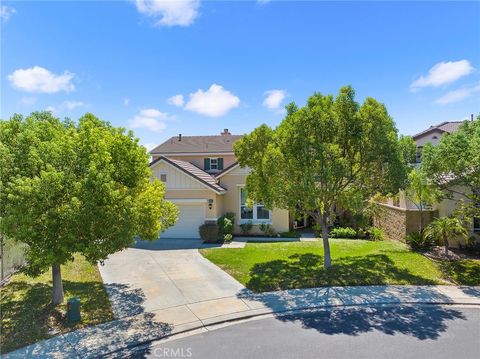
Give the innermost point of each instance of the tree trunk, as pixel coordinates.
(421, 218)
(57, 295)
(445, 243)
(327, 259)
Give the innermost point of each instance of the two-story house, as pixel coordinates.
(203, 178)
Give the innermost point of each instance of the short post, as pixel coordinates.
(73, 310)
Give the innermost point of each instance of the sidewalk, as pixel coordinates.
(132, 331)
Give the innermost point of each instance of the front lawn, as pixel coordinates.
(462, 271)
(275, 266)
(28, 316)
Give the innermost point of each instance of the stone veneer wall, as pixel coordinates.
(397, 222)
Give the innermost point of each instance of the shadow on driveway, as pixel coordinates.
(168, 244)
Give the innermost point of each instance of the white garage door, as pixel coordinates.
(191, 216)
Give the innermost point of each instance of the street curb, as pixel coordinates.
(280, 312)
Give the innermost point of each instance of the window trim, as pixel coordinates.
(254, 219)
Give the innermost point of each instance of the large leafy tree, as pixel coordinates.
(454, 164)
(328, 154)
(71, 188)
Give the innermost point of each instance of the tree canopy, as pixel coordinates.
(330, 153)
(71, 188)
(455, 161)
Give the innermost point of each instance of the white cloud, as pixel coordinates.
(66, 106)
(169, 12)
(458, 95)
(28, 100)
(151, 119)
(6, 12)
(71, 105)
(126, 101)
(214, 102)
(52, 109)
(273, 98)
(176, 100)
(40, 80)
(262, 2)
(443, 73)
(149, 146)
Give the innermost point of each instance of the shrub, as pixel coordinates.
(376, 234)
(209, 232)
(343, 232)
(267, 230)
(246, 227)
(225, 225)
(419, 240)
(290, 234)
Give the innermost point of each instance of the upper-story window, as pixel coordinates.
(419, 154)
(213, 164)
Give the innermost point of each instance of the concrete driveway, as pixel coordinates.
(165, 274)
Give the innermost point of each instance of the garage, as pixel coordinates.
(190, 217)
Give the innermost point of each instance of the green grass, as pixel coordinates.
(276, 266)
(28, 315)
(463, 271)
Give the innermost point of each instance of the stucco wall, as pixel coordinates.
(231, 203)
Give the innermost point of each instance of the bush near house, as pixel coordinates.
(246, 227)
(209, 232)
(376, 234)
(419, 241)
(343, 232)
(225, 226)
(267, 230)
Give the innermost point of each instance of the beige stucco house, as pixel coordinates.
(401, 215)
(203, 178)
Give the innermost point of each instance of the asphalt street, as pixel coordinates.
(422, 331)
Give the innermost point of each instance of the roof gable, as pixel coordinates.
(194, 172)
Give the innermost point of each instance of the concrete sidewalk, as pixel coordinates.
(148, 326)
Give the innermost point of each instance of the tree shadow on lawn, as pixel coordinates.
(28, 315)
(383, 313)
(462, 272)
(306, 271)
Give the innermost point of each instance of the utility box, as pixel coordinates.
(73, 310)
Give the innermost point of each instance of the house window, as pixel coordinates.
(257, 213)
(163, 177)
(419, 154)
(214, 163)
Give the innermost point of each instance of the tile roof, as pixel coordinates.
(197, 144)
(447, 126)
(194, 172)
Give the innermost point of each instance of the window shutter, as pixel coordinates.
(206, 164)
(220, 163)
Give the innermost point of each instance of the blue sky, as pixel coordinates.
(236, 64)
